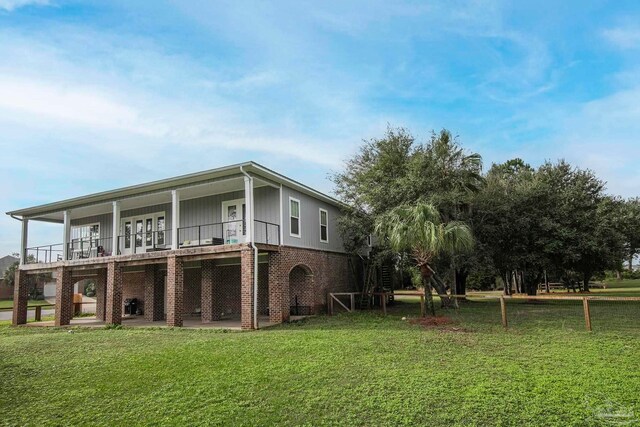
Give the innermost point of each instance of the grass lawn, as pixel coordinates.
(350, 369)
(8, 303)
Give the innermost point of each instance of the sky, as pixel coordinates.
(97, 95)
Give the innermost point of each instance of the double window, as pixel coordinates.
(324, 226)
(87, 232)
(294, 217)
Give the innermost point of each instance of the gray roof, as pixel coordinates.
(6, 262)
(172, 183)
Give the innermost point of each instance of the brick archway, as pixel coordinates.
(301, 290)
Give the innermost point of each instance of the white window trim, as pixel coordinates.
(75, 227)
(299, 235)
(320, 210)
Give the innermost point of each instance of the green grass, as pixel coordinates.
(350, 369)
(8, 303)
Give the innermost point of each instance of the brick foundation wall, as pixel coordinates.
(192, 290)
(310, 274)
(133, 287)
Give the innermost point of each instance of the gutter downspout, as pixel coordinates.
(255, 251)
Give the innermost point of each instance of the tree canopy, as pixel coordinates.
(527, 222)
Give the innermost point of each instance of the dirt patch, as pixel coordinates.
(441, 323)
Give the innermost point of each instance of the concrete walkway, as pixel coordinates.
(140, 322)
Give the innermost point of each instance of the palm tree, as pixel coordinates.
(419, 230)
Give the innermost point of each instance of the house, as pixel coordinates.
(6, 291)
(238, 242)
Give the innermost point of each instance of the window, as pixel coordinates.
(89, 232)
(324, 226)
(294, 217)
(160, 228)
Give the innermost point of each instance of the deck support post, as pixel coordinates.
(113, 310)
(64, 297)
(175, 291)
(20, 298)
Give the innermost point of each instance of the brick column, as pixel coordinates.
(113, 309)
(153, 294)
(175, 291)
(278, 289)
(246, 288)
(20, 298)
(101, 293)
(64, 297)
(206, 291)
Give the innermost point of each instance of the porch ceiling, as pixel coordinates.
(186, 193)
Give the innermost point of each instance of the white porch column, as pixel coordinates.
(66, 235)
(115, 247)
(24, 241)
(281, 227)
(175, 218)
(248, 201)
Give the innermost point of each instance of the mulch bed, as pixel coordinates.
(442, 323)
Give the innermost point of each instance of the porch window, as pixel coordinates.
(86, 233)
(160, 228)
(324, 226)
(294, 217)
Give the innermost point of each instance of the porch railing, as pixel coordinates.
(228, 232)
(44, 254)
(145, 241)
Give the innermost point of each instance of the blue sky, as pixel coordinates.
(97, 95)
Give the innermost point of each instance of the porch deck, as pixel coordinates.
(140, 322)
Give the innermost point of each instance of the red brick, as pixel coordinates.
(20, 298)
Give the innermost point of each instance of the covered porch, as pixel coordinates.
(227, 210)
(224, 287)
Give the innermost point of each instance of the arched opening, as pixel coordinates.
(301, 295)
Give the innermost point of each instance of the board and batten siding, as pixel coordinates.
(310, 223)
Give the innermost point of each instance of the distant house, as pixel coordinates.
(6, 291)
(240, 241)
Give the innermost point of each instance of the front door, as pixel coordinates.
(141, 234)
(233, 225)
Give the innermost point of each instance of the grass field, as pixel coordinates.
(350, 369)
(8, 303)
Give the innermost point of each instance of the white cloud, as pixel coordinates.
(623, 38)
(10, 5)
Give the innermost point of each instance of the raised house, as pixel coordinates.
(238, 242)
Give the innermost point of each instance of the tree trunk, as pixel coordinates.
(618, 275)
(585, 281)
(428, 296)
(507, 284)
(631, 262)
(461, 282)
(441, 289)
(546, 283)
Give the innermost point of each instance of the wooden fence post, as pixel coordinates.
(353, 302)
(330, 304)
(384, 303)
(503, 309)
(38, 313)
(587, 313)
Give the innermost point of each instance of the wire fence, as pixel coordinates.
(589, 313)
